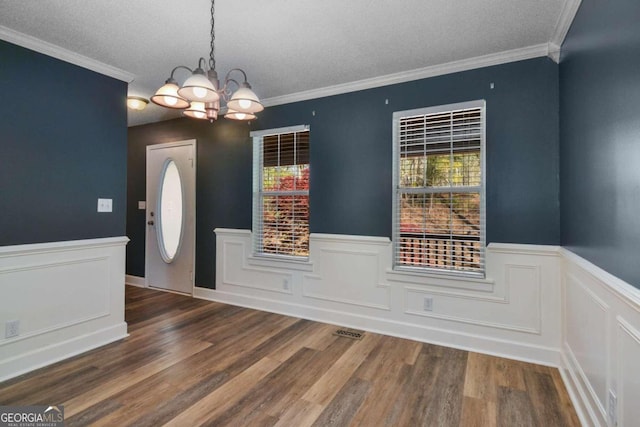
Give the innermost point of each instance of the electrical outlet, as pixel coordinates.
(428, 304)
(105, 205)
(285, 284)
(12, 329)
(613, 408)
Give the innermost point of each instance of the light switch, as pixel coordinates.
(105, 205)
(142, 204)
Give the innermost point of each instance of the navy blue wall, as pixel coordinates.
(63, 139)
(351, 149)
(223, 185)
(600, 136)
(351, 155)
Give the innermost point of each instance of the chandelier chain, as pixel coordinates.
(212, 53)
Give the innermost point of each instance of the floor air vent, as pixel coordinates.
(349, 333)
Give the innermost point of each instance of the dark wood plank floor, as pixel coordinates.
(190, 362)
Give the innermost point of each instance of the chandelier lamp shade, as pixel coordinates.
(237, 115)
(245, 100)
(201, 94)
(167, 96)
(196, 110)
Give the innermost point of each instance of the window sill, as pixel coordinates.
(278, 262)
(447, 280)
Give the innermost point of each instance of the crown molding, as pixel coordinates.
(58, 52)
(499, 58)
(554, 52)
(565, 20)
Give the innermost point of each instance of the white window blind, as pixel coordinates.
(439, 188)
(281, 192)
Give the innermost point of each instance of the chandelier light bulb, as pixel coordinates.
(170, 100)
(245, 104)
(199, 92)
(199, 114)
(241, 116)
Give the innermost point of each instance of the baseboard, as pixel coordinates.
(138, 281)
(575, 392)
(463, 341)
(53, 353)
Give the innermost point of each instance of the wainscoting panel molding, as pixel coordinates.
(601, 343)
(349, 271)
(253, 278)
(68, 297)
(628, 374)
(542, 304)
(350, 281)
(586, 318)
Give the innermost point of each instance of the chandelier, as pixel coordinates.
(201, 94)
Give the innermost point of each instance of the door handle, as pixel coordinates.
(150, 222)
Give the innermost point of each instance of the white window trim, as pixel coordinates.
(259, 258)
(435, 272)
(280, 261)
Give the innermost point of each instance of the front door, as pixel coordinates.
(171, 201)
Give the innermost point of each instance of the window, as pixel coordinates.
(439, 189)
(281, 192)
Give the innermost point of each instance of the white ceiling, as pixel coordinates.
(290, 49)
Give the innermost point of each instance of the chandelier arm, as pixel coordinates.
(178, 67)
(236, 69)
(228, 80)
(225, 90)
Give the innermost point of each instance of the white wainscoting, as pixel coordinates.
(542, 304)
(348, 280)
(601, 343)
(67, 296)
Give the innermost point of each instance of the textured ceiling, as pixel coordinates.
(286, 46)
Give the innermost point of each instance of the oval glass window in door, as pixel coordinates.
(170, 211)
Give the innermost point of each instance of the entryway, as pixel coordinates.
(171, 202)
